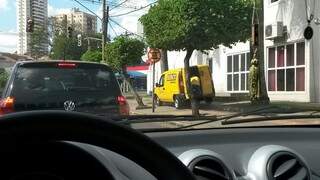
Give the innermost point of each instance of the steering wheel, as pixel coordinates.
(44, 126)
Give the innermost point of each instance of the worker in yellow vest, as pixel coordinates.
(195, 86)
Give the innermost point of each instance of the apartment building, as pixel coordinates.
(37, 10)
(83, 22)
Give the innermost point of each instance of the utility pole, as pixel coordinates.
(258, 91)
(264, 93)
(65, 29)
(105, 19)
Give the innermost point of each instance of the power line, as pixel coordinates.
(87, 9)
(113, 29)
(110, 3)
(117, 15)
(92, 2)
(99, 2)
(124, 28)
(118, 5)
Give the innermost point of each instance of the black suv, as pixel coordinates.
(63, 85)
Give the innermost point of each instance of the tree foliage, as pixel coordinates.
(92, 56)
(3, 78)
(64, 47)
(197, 25)
(38, 37)
(124, 51)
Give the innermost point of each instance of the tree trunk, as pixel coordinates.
(194, 103)
(164, 60)
(134, 92)
(264, 99)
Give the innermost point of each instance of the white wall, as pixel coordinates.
(293, 15)
(219, 64)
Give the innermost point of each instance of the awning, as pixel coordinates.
(135, 74)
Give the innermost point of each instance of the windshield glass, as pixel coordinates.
(157, 64)
(60, 80)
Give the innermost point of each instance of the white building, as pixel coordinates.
(83, 22)
(229, 67)
(292, 65)
(36, 10)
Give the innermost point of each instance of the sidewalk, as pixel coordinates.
(221, 108)
(227, 107)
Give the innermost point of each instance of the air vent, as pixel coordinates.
(209, 168)
(286, 165)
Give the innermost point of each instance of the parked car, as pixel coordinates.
(172, 86)
(63, 85)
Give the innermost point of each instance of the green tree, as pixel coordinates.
(122, 52)
(3, 78)
(92, 56)
(64, 47)
(196, 25)
(38, 37)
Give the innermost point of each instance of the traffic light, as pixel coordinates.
(30, 25)
(79, 40)
(70, 31)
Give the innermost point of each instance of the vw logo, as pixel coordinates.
(69, 105)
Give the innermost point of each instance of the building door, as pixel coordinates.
(161, 88)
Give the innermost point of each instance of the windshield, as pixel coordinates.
(163, 64)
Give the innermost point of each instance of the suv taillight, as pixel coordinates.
(6, 105)
(67, 65)
(123, 106)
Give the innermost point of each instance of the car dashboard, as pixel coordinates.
(233, 153)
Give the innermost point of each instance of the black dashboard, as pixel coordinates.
(234, 153)
(241, 153)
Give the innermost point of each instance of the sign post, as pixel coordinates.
(154, 56)
(153, 82)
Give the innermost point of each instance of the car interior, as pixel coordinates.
(64, 145)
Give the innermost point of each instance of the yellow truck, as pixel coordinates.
(171, 87)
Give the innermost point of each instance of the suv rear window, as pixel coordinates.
(86, 81)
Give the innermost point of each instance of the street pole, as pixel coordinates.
(105, 19)
(89, 46)
(103, 27)
(153, 80)
(264, 93)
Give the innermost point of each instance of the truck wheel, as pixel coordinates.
(208, 100)
(178, 102)
(158, 101)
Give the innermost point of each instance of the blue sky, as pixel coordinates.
(8, 17)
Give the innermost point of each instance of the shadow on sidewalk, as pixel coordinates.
(273, 107)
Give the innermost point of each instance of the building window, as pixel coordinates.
(286, 67)
(237, 72)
